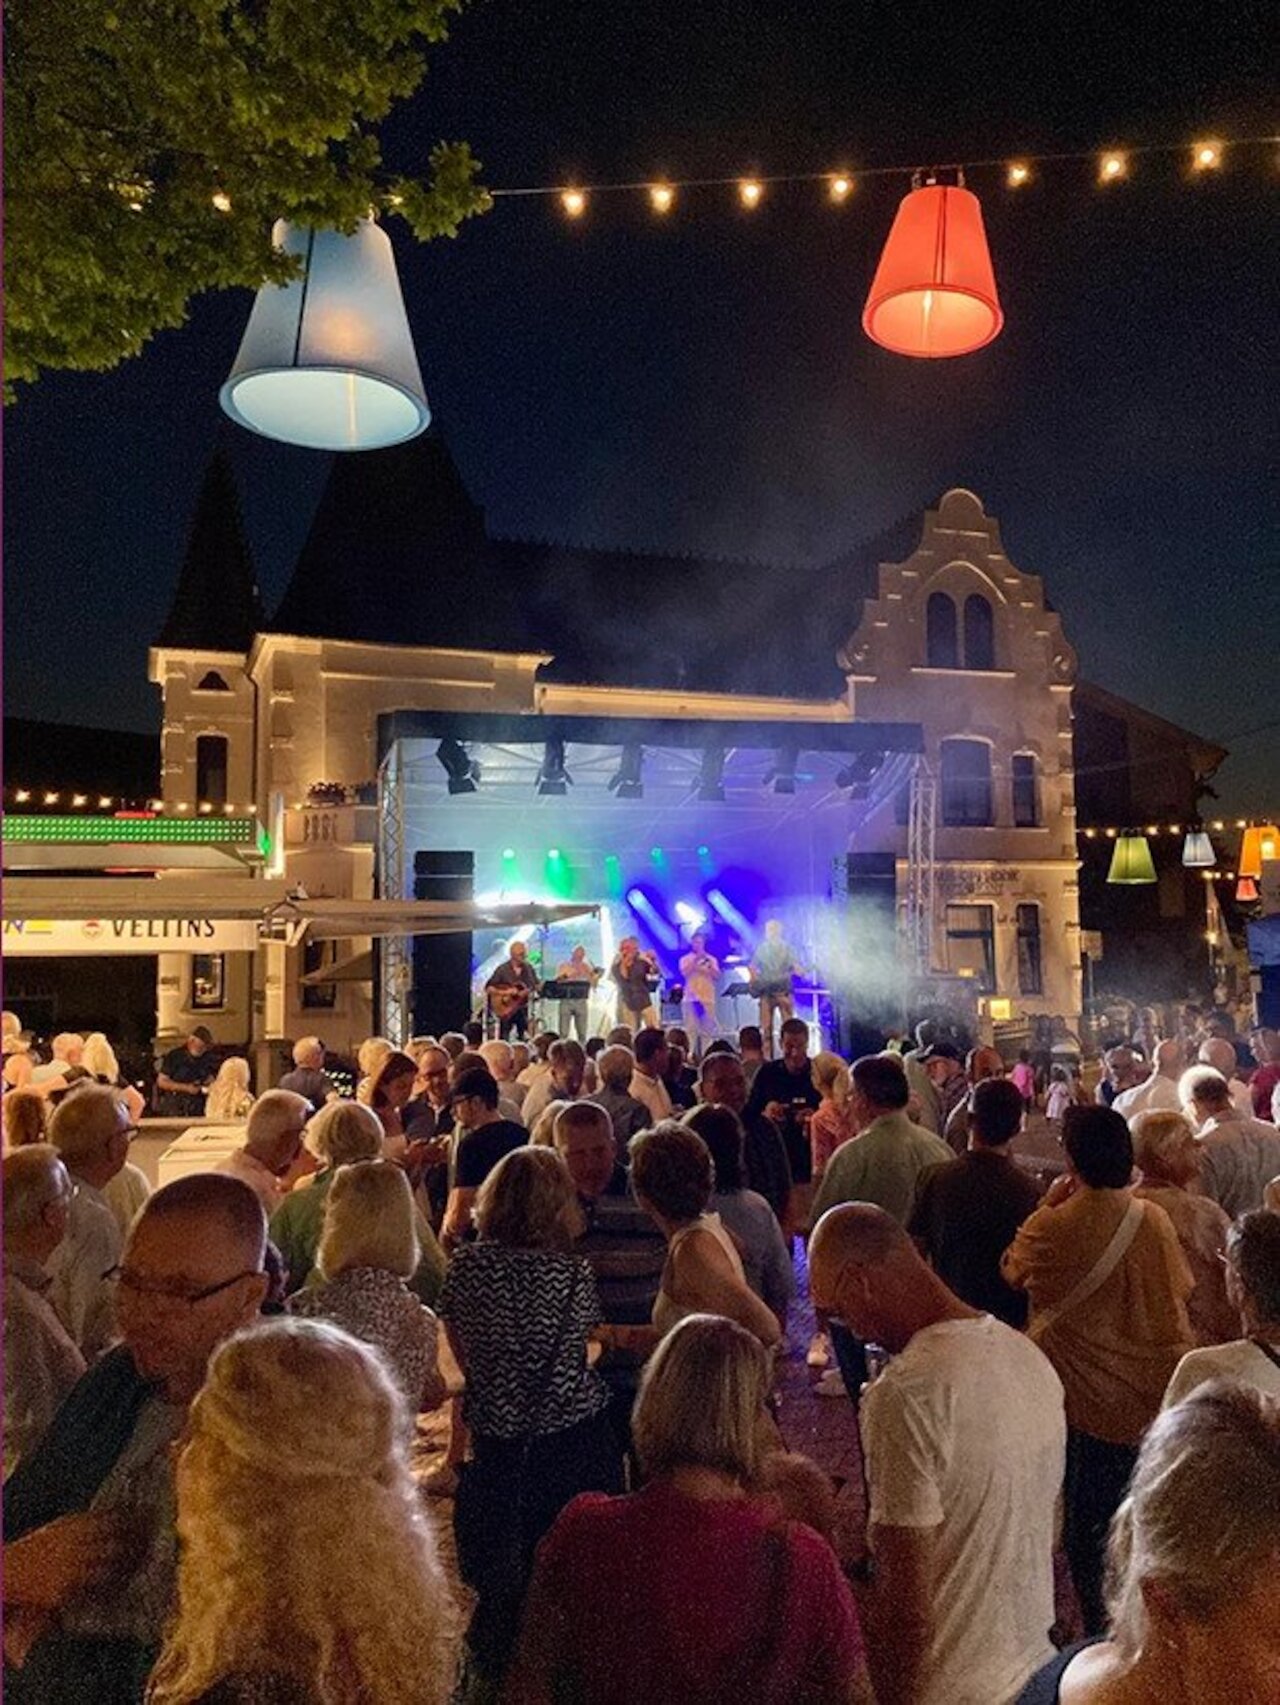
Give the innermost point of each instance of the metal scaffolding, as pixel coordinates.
(922, 822)
(396, 978)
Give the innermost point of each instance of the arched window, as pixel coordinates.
(966, 783)
(942, 644)
(211, 769)
(979, 633)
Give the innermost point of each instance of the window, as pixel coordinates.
(979, 633)
(971, 944)
(317, 956)
(1026, 806)
(212, 683)
(1030, 966)
(966, 783)
(211, 769)
(208, 981)
(942, 645)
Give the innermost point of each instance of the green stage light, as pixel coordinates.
(558, 874)
(613, 875)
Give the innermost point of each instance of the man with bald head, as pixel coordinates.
(1221, 1055)
(963, 1441)
(91, 1130)
(272, 1144)
(980, 1065)
(91, 1546)
(1157, 1093)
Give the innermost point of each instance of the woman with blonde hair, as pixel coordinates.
(369, 1056)
(519, 1306)
(368, 1249)
(1167, 1154)
(99, 1060)
(1193, 1588)
(308, 1568)
(673, 1179)
(25, 1112)
(832, 1122)
(229, 1094)
(724, 1598)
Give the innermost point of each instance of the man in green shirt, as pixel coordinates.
(882, 1164)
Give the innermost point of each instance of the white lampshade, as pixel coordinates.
(327, 361)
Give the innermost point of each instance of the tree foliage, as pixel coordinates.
(151, 144)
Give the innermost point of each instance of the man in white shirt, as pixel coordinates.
(652, 1058)
(41, 1364)
(501, 1060)
(1253, 1285)
(272, 1144)
(1218, 1053)
(91, 1132)
(563, 1082)
(964, 1441)
(1239, 1155)
(67, 1051)
(1157, 1093)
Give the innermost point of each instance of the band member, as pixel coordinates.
(636, 975)
(510, 989)
(577, 968)
(701, 973)
(772, 969)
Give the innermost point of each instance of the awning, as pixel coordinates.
(357, 969)
(337, 920)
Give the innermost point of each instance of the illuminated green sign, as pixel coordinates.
(152, 831)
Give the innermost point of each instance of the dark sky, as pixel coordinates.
(704, 384)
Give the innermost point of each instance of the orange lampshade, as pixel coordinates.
(934, 292)
(1260, 842)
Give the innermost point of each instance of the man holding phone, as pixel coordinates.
(784, 1090)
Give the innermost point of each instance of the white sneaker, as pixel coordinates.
(441, 1482)
(831, 1384)
(819, 1353)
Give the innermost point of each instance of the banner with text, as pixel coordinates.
(73, 937)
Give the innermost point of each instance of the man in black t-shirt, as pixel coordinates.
(783, 1089)
(184, 1076)
(483, 1138)
(510, 989)
(967, 1210)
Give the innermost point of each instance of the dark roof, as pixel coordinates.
(62, 756)
(398, 554)
(216, 606)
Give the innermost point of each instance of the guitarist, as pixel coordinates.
(510, 989)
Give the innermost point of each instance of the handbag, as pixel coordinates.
(1097, 1275)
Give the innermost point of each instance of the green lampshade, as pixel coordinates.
(1131, 862)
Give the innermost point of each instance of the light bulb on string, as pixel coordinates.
(749, 192)
(661, 197)
(1018, 174)
(1206, 156)
(840, 187)
(574, 202)
(221, 200)
(1112, 167)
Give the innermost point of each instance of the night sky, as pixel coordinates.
(703, 383)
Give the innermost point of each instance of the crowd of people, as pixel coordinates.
(587, 1254)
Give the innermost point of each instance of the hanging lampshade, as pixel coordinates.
(327, 361)
(1246, 890)
(1131, 862)
(1197, 851)
(934, 293)
(1260, 842)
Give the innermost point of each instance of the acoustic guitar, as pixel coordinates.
(506, 999)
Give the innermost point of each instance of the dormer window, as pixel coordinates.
(212, 682)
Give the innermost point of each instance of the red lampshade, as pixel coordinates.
(934, 292)
(1246, 891)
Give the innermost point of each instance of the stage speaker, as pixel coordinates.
(441, 995)
(867, 985)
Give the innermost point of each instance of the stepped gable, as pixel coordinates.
(216, 605)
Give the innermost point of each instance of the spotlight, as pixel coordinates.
(690, 914)
(782, 777)
(711, 778)
(552, 775)
(463, 772)
(628, 782)
(857, 774)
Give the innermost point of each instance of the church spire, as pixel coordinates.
(216, 606)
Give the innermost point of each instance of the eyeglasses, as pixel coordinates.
(162, 1295)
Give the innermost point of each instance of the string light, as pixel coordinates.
(574, 203)
(22, 796)
(221, 200)
(1112, 167)
(1206, 156)
(841, 187)
(51, 798)
(1018, 174)
(79, 799)
(661, 197)
(749, 192)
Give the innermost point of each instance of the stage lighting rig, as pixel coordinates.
(628, 782)
(553, 777)
(462, 770)
(782, 777)
(711, 776)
